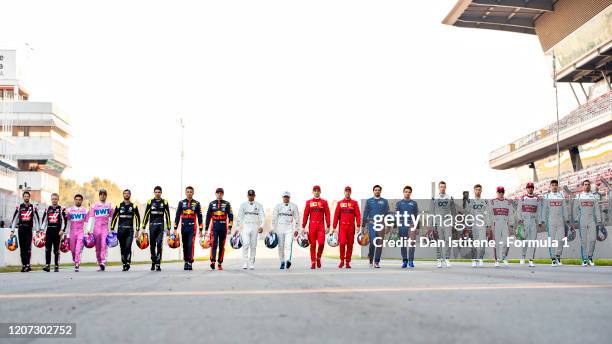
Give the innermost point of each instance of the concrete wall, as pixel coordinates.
(40, 148)
(603, 249)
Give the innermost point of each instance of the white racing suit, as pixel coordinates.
(528, 211)
(479, 209)
(252, 217)
(502, 220)
(555, 215)
(444, 206)
(285, 221)
(587, 214)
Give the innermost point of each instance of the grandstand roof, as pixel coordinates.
(590, 68)
(504, 15)
(577, 33)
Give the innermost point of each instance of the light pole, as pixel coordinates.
(182, 125)
(557, 111)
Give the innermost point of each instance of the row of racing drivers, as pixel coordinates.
(94, 225)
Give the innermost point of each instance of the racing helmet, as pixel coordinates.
(89, 240)
(602, 233)
(432, 234)
(39, 239)
(520, 232)
(236, 241)
(174, 241)
(111, 239)
(11, 243)
(143, 241)
(65, 245)
(302, 240)
(570, 233)
(271, 240)
(205, 240)
(363, 238)
(332, 239)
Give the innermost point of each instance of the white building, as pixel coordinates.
(8, 170)
(33, 147)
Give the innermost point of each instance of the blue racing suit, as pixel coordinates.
(220, 217)
(408, 209)
(189, 215)
(374, 206)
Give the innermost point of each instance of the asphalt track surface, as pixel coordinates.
(425, 305)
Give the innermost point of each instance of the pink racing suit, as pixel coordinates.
(101, 214)
(76, 218)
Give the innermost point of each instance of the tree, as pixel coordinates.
(68, 188)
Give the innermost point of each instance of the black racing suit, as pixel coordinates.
(158, 214)
(25, 218)
(54, 221)
(220, 213)
(187, 212)
(128, 217)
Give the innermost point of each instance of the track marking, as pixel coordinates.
(91, 274)
(344, 273)
(304, 291)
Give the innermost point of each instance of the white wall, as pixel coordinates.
(7, 206)
(8, 182)
(39, 148)
(38, 181)
(603, 249)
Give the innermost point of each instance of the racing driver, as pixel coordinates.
(317, 211)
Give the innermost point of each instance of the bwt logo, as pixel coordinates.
(77, 217)
(101, 212)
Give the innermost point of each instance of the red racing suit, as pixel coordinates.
(347, 212)
(317, 210)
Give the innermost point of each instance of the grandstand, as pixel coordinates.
(578, 35)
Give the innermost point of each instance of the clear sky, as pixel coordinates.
(282, 95)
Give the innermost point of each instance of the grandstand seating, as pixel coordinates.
(601, 105)
(574, 179)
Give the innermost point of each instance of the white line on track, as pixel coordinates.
(230, 273)
(306, 291)
(343, 273)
